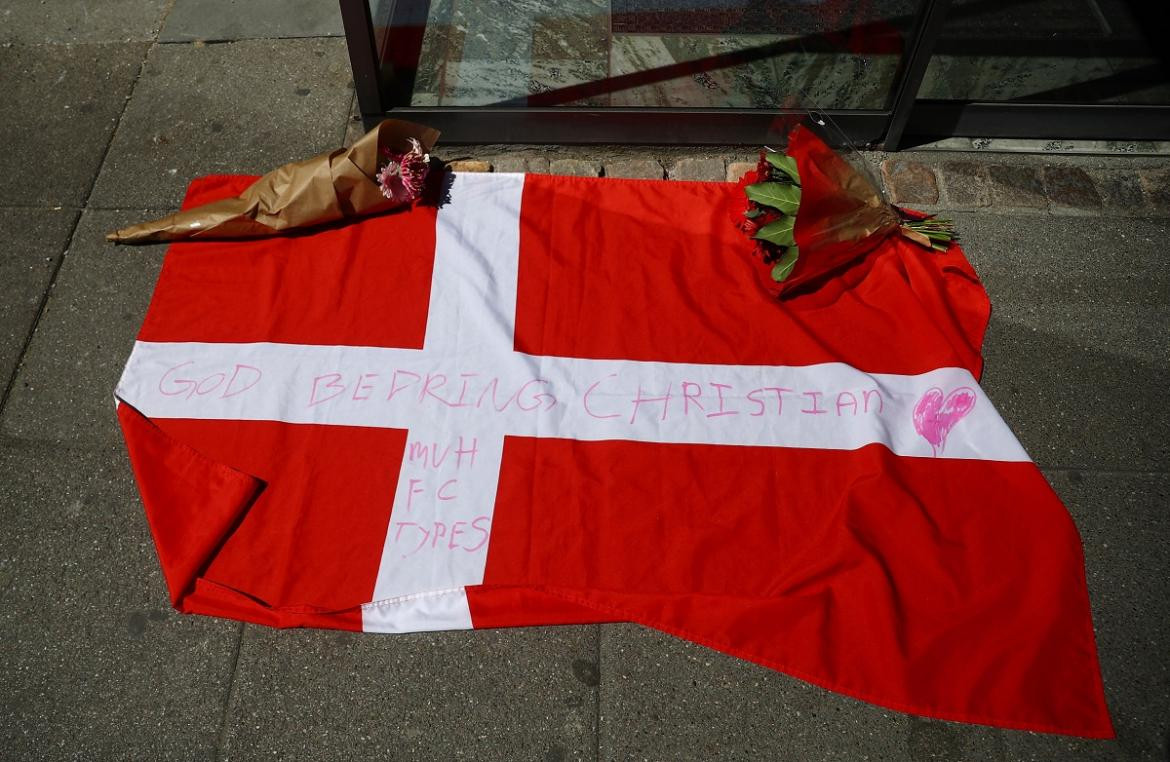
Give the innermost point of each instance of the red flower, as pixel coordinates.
(763, 168)
(751, 178)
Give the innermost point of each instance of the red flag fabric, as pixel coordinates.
(557, 400)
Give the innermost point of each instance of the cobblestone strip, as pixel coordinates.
(934, 181)
(1066, 188)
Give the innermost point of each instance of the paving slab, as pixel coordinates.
(966, 184)
(1077, 352)
(576, 167)
(96, 665)
(645, 169)
(709, 169)
(237, 108)
(910, 182)
(497, 694)
(538, 165)
(666, 698)
(61, 104)
(1070, 189)
(1124, 520)
(1156, 184)
(69, 21)
(32, 241)
(469, 165)
(63, 391)
(250, 19)
(1121, 191)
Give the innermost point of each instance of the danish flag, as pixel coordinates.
(567, 400)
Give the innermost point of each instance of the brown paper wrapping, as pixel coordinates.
(839, 206)
(325, 188)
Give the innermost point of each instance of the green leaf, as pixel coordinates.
(786, 198)
(784, 163)
(778, 232)
(783, 267)
(751, 214)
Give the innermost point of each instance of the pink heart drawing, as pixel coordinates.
(935, 416)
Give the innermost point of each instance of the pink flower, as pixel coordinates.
(403, 175)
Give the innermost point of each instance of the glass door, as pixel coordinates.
(639, 70)
(659, 53)
(1048, 69)
(736, 71)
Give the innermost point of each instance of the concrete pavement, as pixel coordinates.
(110, 111)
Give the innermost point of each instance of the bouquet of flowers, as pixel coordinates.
(386, 168)
(809, 212)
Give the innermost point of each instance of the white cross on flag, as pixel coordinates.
(557, 400)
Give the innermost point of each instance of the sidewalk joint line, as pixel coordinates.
(597, 694)
(221, 736)
(44, 207)
(69, 240)
(1104, 471)
(232, 41)
(348, 116)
